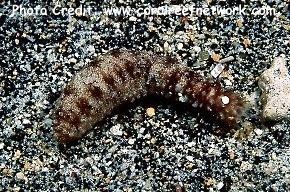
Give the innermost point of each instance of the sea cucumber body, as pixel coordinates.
(123, 76)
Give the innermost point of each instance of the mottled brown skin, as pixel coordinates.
(123, 76)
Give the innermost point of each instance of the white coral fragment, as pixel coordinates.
(275, 85)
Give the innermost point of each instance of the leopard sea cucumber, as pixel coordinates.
(124, 76)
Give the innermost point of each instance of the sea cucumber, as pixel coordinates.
(122, 76)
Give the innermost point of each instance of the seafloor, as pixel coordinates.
(173, 150)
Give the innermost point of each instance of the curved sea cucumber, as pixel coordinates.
(124, 76)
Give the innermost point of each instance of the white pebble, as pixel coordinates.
(217, 70)
(179, 46)
(274, 156)
(166, 47)
(45, 169)
(131, 141)
(228, 82)
(190, 158)
(225, 100)
(26, 121)
(220, 185)
(1, 145)
(147, 136)
(91, 49)
(182, 98)
(196, 49)
(115, 130)
(17, 154)
(20, 176)
(72, 60)
(190, 144)
(258, 131)
(227, 59)
(142, 130)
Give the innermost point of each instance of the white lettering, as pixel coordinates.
(146, 11)
(14, 9)
(55, 10)
(28, 11)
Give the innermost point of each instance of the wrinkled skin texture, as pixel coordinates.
(123, 76)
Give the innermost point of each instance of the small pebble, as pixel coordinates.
(190, 144)
(246, 166)
(258, 131)
(197, 49)
(217, 70)
(228, 82)
(220, 185)
(131, 141)
(150, 112)
(2, 145)
(20, 176)
(26, 121)
(203, 55)
(190, 158)
(116, 130)
(17, 189)
(209, 182)
(231, 154)
(274, 156)
(153, 140)
(179, 46)
(216, 57)
(247, 43)
(239, 23)
(225, 100)
(17, 154)
(73, 60)
(142, 130)
(166, 47)
(227, 59)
